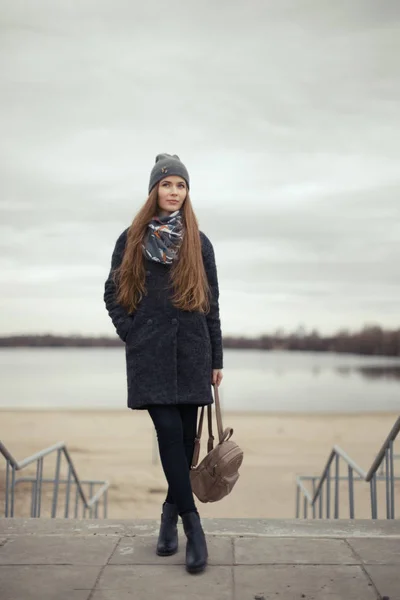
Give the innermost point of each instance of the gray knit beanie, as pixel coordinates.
(167, 164)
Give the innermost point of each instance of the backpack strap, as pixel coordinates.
(218, 414)
(210, 443)
(196, 451)
(223, 435)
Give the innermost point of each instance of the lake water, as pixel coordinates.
(276, 381)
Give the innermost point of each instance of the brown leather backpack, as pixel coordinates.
(217, 473)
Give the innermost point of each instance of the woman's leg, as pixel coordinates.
(189, 423)
(173, 453)
(188, 414)
(196, 547)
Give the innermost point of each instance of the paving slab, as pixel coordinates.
(326, 528)
(170, 582)
(258, 551)
(377, 551)
(78, 527)
(141, 551)
(307, 582)
(386, 580)
(337, 528)
(47, 583)
(53, 550)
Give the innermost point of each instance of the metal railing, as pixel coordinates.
(319, 499)
(89, 503)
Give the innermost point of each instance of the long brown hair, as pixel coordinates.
(187, 275)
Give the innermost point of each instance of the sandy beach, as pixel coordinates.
(118, 446)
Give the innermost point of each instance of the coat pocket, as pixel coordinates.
(138, 331)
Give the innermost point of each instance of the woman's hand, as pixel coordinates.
(217, 377)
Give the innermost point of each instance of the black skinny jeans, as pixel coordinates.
(176, 431)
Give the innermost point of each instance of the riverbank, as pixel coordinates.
(118, 446)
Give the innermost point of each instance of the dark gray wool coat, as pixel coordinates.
(170, 353)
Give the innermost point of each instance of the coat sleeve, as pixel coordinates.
(213, 319)
(118, 314)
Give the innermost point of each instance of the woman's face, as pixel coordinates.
(172, 192)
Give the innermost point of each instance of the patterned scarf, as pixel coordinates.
(163, 238)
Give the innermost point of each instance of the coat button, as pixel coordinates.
(149, 321)
(174, 321)
(148, 273)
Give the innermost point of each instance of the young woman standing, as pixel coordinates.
(162, 297)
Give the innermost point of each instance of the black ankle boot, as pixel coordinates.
(196, 547)
(168, 538)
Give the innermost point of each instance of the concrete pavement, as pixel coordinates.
(249, 559)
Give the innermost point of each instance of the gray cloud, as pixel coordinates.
(286, 115)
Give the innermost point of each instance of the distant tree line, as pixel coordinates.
(370, 340)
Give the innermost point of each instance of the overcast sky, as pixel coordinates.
(285, 113)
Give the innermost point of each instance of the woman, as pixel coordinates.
(162, 296)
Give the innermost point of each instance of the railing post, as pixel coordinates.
(392, 496)
(33, 495)
(337, 463)
(56, 484)
(34, 492)
(39, 477)
(12, 490)
(67, 493)
(297, 501)
(314, 508)
(328, 493)
(90, 494)
(305, 508)
(321, 501)
(371, 493)
(7, 491)
(387, 477)
(374, 498)
(351, 492)
(76, 501)
(105, 500)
